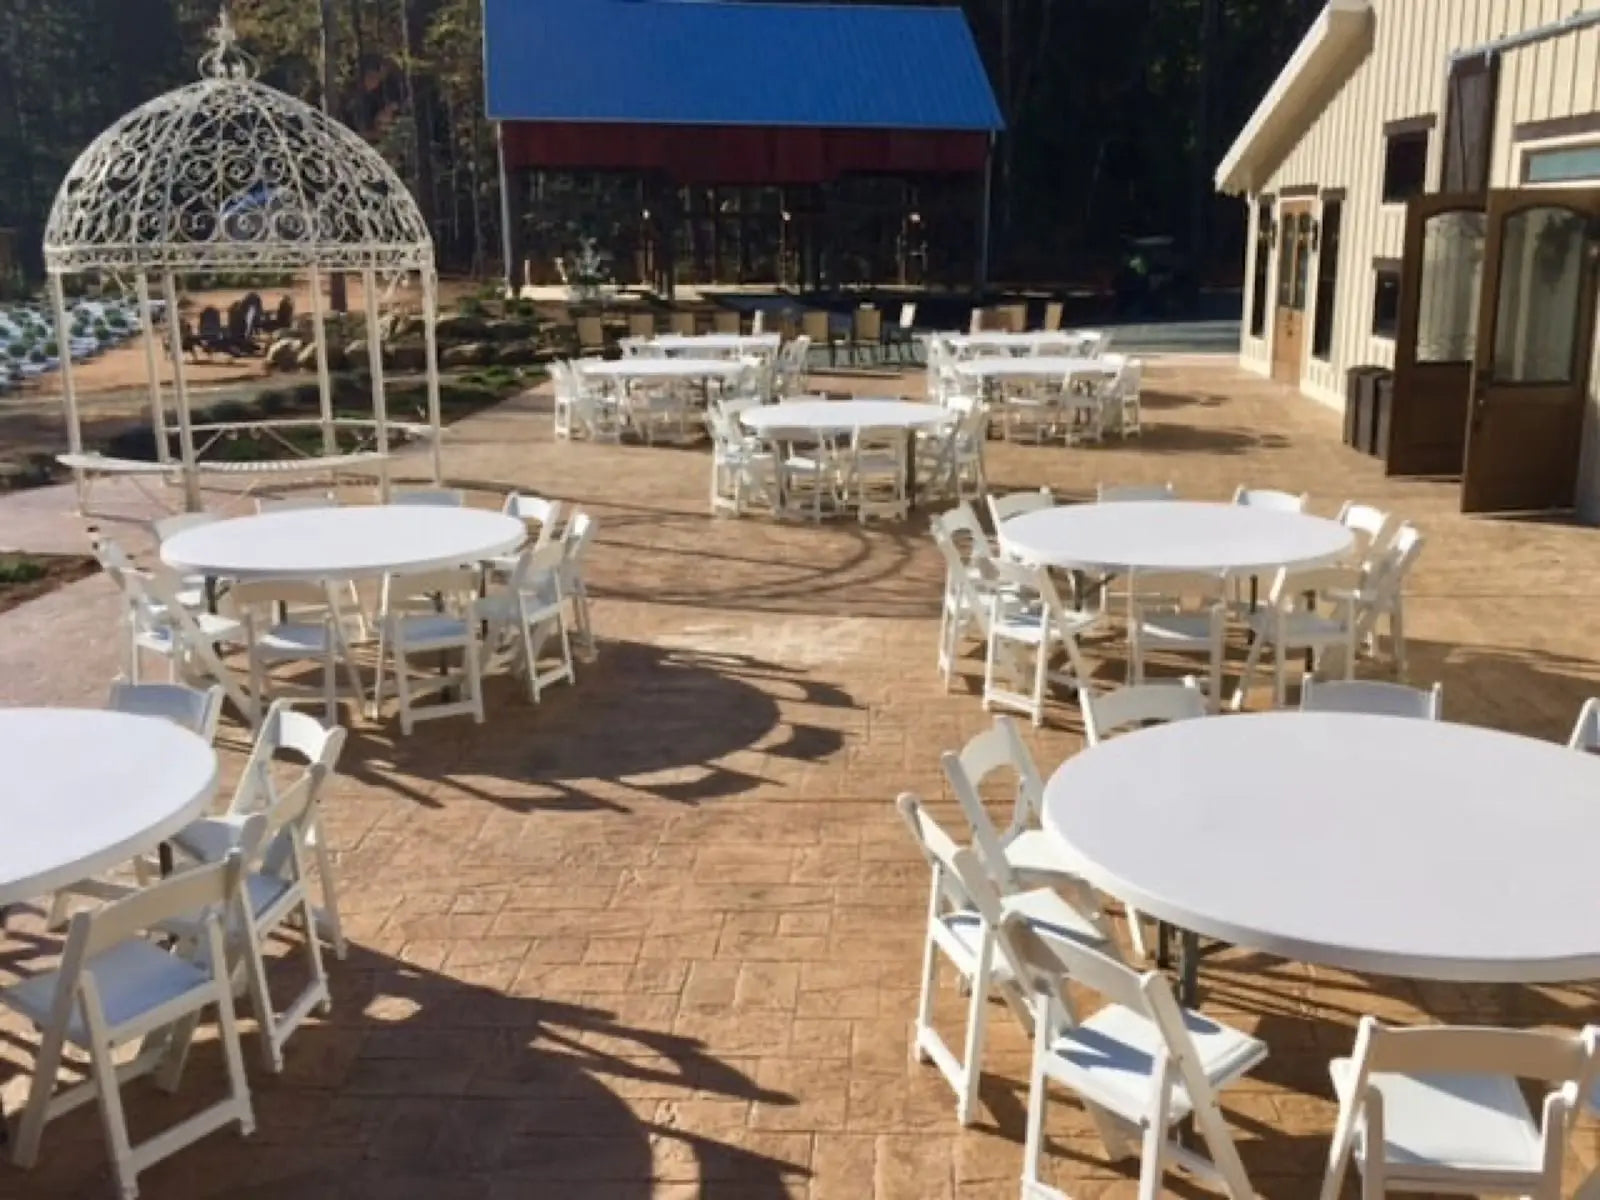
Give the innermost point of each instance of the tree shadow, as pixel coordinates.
(1536, 693)
(656, 720)
(1163, 400)
(421, 1084)
(1167, 438)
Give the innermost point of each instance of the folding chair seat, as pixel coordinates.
(430, 614)
(1028, 621)
(526, 614)
(1314, 610)
(1373, 698)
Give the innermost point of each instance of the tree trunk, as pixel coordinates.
(338, 300)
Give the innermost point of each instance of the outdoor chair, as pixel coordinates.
(743, 469)
(792, 367)
(283, 317)
(1052, 316)
(1441, 1109)
(967, 585)
(1586, 730)
(1382, 586)
(541, 516)
(1029, 627)
(1124, 493)
(1141, 1065)
(430, 615)
(429, 497)
(1270, 498)
(811, 474)
(1373, 698)
(292, 621)
(950, 457)
(591, 337)
(964, 913)
(899, 336)
(195, 709)
(299, 744)
(576, 540)
(1173, 613)
(1015, 504)
(866, 334)
(525, 615)
(1023, 855)
(642, 325)
(681, 323)
(874, 480)
(210, 334)
(725, 322)
(1313, 610)
(817, 325)
(115, 986)
(1126, 406)
(1374, 529)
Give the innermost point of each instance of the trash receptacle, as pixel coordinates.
(1382, 410)
(1358, 405)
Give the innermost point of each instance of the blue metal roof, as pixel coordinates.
(732, 62)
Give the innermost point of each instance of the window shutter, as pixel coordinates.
(1469, 124)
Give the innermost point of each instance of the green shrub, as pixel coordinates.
(17, 569)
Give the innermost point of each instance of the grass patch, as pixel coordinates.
(20, 568)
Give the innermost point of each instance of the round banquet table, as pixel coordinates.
(661, 368)
(87, 790)
(844, 416)
(1173, 535)
(718, 343)
(357, 542)
(1417, 849)
(1038, 366)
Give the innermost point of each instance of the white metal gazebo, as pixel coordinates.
(230, 175)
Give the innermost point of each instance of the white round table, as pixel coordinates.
(1418, 849)
(356, 542)
(717, 343)
(85, 790)
(661, 368)
(844, 416)
(1173, 535)
(1038, 366)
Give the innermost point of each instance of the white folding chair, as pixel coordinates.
(271, 504)
(1124, 493)
(1178, 613)
(430, 614)
(284, 734)
(195, 709)
(1373, 698)
(1130, 397)
(113, 987)
(1027, 620)
(1313, 610)
(1141, 1064)
(525, 615)
(967, 582)
(1383, 594)
(875, 474)
(1374, 528)
(1270, 499)
(964, 912)
(544, 515)
(574, 585)
(1441, 1109)
(1014, 504)
(742, 468)
(1136, 707)
(429, 497)
(1586, 730)
(295, 622)
(1022, 856)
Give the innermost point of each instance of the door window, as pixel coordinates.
(1452, 277)
(1543, 263)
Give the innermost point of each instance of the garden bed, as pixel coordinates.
(25, 577)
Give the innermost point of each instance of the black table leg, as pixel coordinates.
(1163, 945)
(1188, 969)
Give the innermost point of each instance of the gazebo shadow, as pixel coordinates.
(421, 1084)
(658, 720)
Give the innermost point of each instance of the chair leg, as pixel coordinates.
(1397, 637)
(1280, 676)
(261, 1002)
(1038, 1086)
(1247, 672)
(1153, 1152)
(329, 915)
(109, 1094)
(233, 1056)
(474, 678)
(25, 1152)
(972, 1052)
(1339, 1150)
(930, 972)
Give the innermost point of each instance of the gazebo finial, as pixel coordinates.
(225, 60)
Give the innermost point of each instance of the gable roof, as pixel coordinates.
(733, 62)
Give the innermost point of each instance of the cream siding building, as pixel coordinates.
(1357, 122)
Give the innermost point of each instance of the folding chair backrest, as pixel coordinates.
(961, 525)
(1292, 583)
(266, 504)
(536, 565)
(1389, 574)
(1372, 697)
(1376, 525)
(1270, 498)
(546, 513)
(1554, 1056)
(867, 324)
(938, 848)
(758, 321)
(1139, 705)
(908, 315)
(997, 748)
(579, 533)
(1121, 493)
(1014, 504)
(165, 527)
(213, 887)
(642, 325)
(429, 497)
(815, 324)
(455, 586)
(591, 333)
(190, 708)
(294, 595)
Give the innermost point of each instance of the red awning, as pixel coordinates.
(738, 154)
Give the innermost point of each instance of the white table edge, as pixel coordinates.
(420, 567)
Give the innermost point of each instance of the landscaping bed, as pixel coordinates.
(25, 577)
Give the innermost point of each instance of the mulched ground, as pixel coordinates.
(25, 577)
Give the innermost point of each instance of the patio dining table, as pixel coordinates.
(1415, 849)
(700, 344)
(1053, 367)
(625, 370)
(849, 416)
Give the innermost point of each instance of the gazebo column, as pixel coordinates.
(152, 368)
(58, 301)
(191, 477)
(319, 326)
(430, 343)
(380, 404)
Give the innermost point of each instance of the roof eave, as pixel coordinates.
(1337, 43)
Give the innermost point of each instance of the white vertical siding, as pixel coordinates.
(1405, 76)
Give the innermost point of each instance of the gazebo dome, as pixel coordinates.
(228, 174)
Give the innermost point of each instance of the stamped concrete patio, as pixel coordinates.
(659, 936)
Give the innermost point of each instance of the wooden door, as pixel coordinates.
(1535, 334)
(1441, 275)
(1294, 265)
